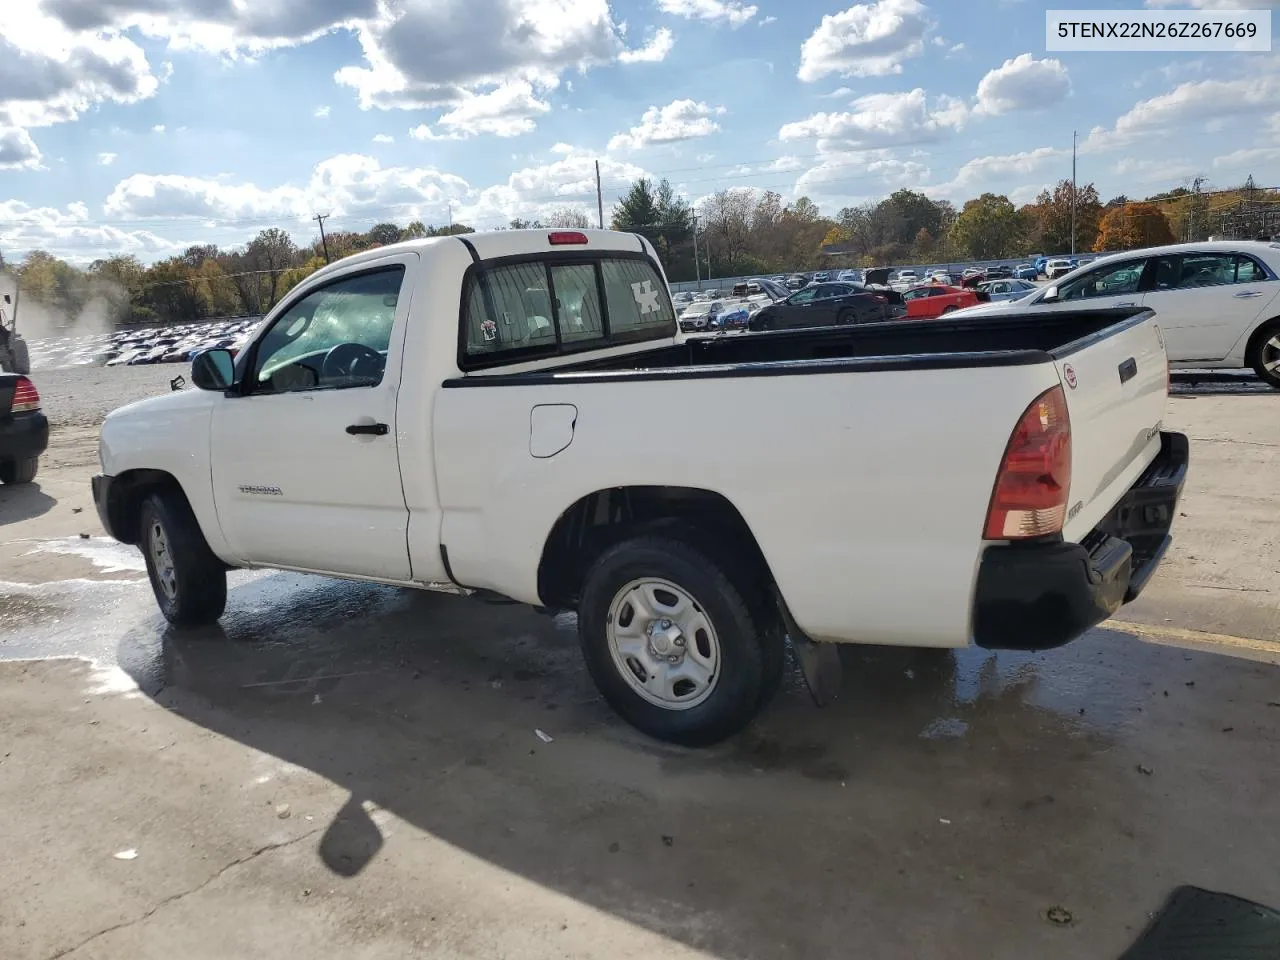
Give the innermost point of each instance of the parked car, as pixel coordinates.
(1025, 271)
(1006, 498)
(998, 272)
(998, 290)
(907, 276)
(24, 430)
(849, 276)
(1217, 304)
(934, 300)
(797, 281)
(697, 316)
(1053, 269)
(825, 304)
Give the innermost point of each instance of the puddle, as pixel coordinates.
(105, 554)
(27, 608)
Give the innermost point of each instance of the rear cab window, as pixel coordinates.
(523, 308)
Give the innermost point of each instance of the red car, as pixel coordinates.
(934, 299)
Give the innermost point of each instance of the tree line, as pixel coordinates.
(735, 232)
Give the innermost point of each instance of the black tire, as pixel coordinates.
(197, 591)
(13, 472)
(1261, 352)
(846, 317)
(752, 653)
(950, 309)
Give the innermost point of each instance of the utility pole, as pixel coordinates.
(320, 218)
(1073, 192)
(599, 196)
(697, 270)
(450, 216)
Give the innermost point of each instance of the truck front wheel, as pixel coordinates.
(189, 582)
(672, 645)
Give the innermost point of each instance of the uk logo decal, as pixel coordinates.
(646, 297)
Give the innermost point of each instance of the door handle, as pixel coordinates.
(368, 429)
(1128, 370)
(1128, 303)
(1248, 294)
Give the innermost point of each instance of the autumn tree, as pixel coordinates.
(988, 228)
(1133, 226)
(1048, 219)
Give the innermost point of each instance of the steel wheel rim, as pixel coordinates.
(162, 560)
(663, 644)
(1271, 355)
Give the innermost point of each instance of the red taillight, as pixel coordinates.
(562, 238)
(1030, 496)
(25, 396)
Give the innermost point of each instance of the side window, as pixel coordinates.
(1105, 282)
(804, 296)
(636, 299)
(336, 336)
(1249, 270)
(1206, 270)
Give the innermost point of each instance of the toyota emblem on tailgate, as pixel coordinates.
(1069, 375)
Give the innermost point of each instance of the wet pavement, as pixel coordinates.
(353, 771)
(940, 808)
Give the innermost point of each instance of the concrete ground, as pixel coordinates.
(349, 771)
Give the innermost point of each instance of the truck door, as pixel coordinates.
(306, 471)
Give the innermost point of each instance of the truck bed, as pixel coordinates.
(1009, 340)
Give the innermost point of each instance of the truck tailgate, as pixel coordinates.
(1116, 385)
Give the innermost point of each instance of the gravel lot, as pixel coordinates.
(82, 396)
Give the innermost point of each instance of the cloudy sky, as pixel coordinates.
(141, 126)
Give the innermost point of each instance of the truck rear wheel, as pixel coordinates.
(19, 471)
(189, 582)
(672, 645)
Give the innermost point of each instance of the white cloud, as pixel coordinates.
(536, 191)
(17, 150)
(850, 175)
(505, 111)
(866, 40)
(347, 185)
(1148, 171)
(158, 128)
(838, 93)
(49, 74)
(384, 138)
(678, 120)
(957, 48)
(218, 27)
(1200, 101)
(733, 12)
(563, 149)
(783, 164)
(654, 51)
(67, 233)
(882, 120)
(766, 21)
(107, 159)
(1248, 158)
(1023, 83)
(321, 113)
(423, 53)
(995, 171)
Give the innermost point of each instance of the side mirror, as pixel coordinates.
(213, 369)
(1050, 295)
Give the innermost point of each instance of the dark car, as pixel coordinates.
(24, 431)
(826, 305)
(999, 273)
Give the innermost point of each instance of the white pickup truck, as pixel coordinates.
(509, 414)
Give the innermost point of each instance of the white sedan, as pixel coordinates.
(1218, 303)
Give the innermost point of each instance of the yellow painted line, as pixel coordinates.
(1268, 650)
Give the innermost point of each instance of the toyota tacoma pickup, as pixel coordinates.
(507, 414)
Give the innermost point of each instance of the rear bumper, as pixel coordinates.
(1038, 596)
(23, 436)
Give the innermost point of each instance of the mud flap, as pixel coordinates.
(819, 662)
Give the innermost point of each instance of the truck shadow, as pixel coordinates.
(794, 838)
(23, 501)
